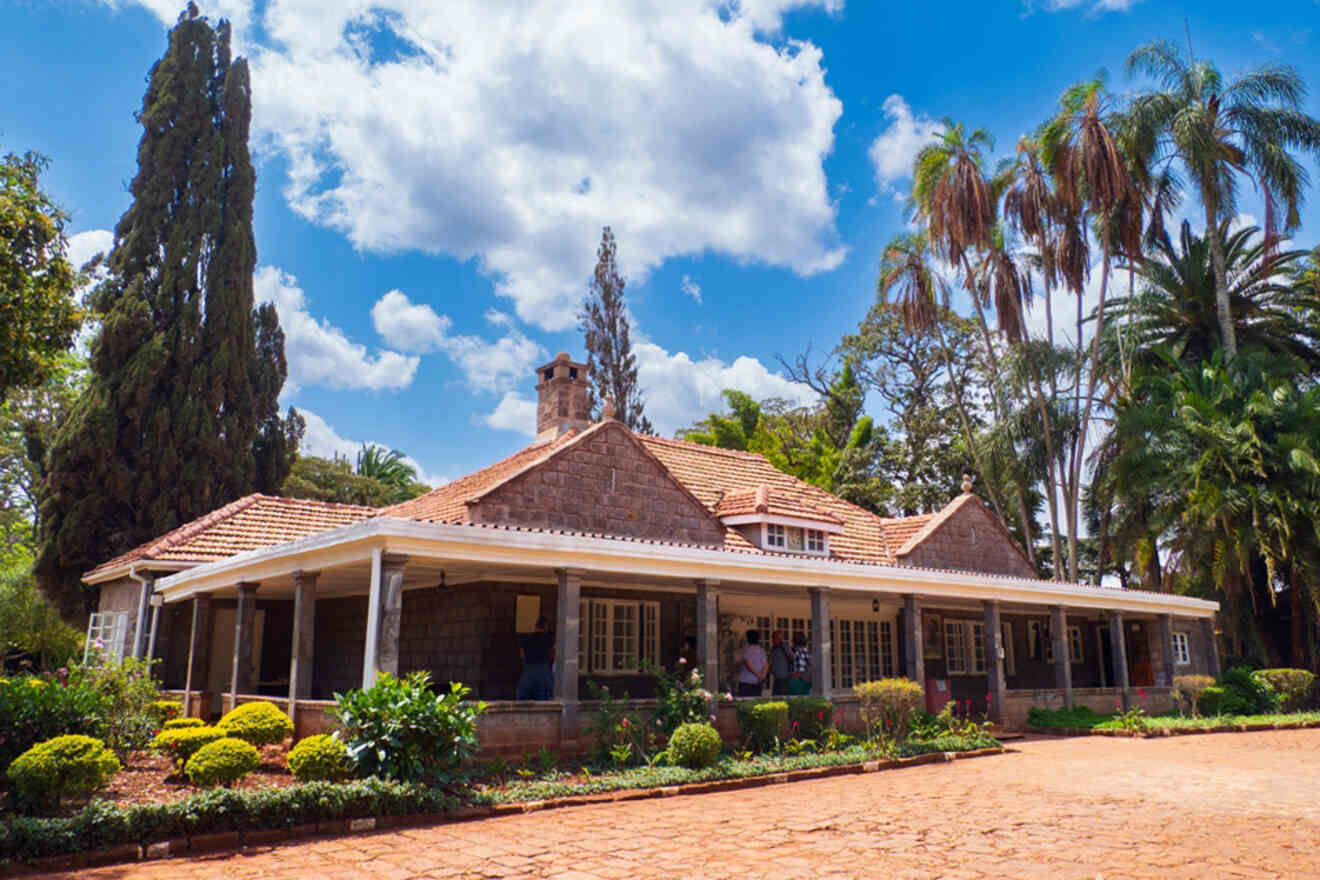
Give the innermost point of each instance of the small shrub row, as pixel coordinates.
(222, 762)
(66, 766)
(762, 723)
(694, 745)
(101, 825)
(1293, 686)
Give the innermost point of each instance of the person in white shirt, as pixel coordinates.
(755, 667)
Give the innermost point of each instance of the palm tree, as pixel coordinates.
(385, 466)
(1218, 131)
(1082, 150)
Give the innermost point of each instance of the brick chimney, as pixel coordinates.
(561, 397)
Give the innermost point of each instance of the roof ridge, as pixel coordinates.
(675, 441)
(473, 477)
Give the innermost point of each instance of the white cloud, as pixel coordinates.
(323, 441)
(691, 288)
(87, 244)
(496, 318)
(893, 152)
(488, 366)
(487, 132)
(679, 391)
(514, 413)
(1097, 6)
(320, 353)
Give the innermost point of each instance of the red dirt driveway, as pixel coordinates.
(1214, 806)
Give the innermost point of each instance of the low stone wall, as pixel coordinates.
(1018, 703)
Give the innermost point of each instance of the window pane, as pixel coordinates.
(887, 649)
(794, 539)
(845, 653)
(955, 647)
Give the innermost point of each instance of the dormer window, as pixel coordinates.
(794, 539)
(780, 520)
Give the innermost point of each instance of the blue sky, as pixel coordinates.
(433, 176)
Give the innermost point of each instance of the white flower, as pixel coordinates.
(727, 696)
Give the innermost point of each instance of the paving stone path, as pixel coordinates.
(1217, 806)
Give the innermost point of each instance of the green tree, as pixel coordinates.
(334, 479)
(38, 316)
(611, 364)
(1249, 126)
(181, 410)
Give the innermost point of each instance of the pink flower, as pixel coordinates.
(987, 696)
(682, 661)
(820, 716)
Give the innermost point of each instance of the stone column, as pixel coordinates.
(391, 613)
(821, 650)
(914, 651)
(303, 650)
(371, 638)
(708, 635)
(146, 587)
(1211, 646)
(994, 662)
(199, 648)
(568, 633)
(240, 679)
(157, 606)
(1062, 654)
(1166, 650)
(1118, 654)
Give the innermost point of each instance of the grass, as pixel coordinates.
(1083, 718)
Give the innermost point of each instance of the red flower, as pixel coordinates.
(987, 696)
(820, 716)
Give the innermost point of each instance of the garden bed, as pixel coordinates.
(1082, 721)
(116, 827)
(151, 779)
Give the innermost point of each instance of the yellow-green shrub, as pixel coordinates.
(182, 723)
(181, 742)
(1292, 685)
(318, 757)
(164, 711)
(259, 723)
(888, 706)
(63, 766)
(694, 745)
(1187, 692)
(762, 723)
(223, 762)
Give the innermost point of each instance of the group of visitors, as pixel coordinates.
(788, 669)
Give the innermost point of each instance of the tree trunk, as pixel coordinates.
(1079, 445)
(965, 420)
(1227, 332)
(1297, 613)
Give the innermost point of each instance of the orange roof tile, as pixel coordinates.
(764, 499)
(900, 529)
(711, 474)
(249, 523)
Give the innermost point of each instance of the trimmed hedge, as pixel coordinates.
(812, 715)
(259, 723)
(182, 723)
(223, 762)
(101, 825)
(1292, 685)
(180, 743)
(762, 722)
(694, 745)
(63, 766)
(318, 757)
(889, 705)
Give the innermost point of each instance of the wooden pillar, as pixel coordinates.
(391, 613)
(303, 650)
(914, 652)
(821, 650)
(994, 662)
(240, 679)
(708, 634)
(199, 648)
(1211, 646)
(1167, 660)
(1118, 654)
(1062, 654)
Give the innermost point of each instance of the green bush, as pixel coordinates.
(679, 696)
(401, 729)
(1078, 717)
(261, 724)
(165, 711)
(222, 762)
(1219, 700)
(1257, 695)
(182, 723)
(129, 694)
(1293, 686)
(181, 742)
(694, 745)
(1187, 691)
(762, 723)
(35, 708)
(62, 767)
(888, 707)
(809, 717)
(318, 757)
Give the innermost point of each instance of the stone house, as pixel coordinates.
(633, 547)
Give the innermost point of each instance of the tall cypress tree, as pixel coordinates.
(611, 364)
(181, 411)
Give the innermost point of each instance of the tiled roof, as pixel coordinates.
(711, 474)
(901, 529)
(764, 499)
(249, 523)
(448, 503)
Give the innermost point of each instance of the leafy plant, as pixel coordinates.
(888, 707)
(62, 767)
(182, 723)
(222, 762)
(811, 715)
(1293, 686)
(180, 743)
(1187, 691)
(318, 757)
(614, 726)
(401, 729)
(1256, 694)
(37, 708)
(258, 723)
(129, 695)
(762, 723)
(694, 745)
(680, 697)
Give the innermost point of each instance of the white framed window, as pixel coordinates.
(1006, 633)
(1182, 653)
(863, 650)
(978, 649)
(887, 649)
(815, 541)
(106, 630)
(617, 634)
(774, 535)
(1075, 651)
(955, 647)
(794, 539)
